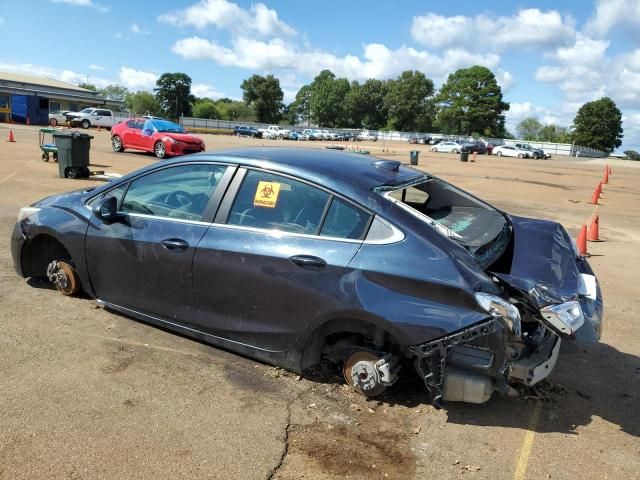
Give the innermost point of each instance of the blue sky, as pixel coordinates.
(550, 57)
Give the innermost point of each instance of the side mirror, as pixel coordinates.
(106, 209)
(147, 133)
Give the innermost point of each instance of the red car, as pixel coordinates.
(161, 137)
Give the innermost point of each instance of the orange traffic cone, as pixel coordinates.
(595, 195)
(610, 171)
(593, 232)
(11, 139)
(581, 243)
(606, 176)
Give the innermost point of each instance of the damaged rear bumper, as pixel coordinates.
(469, 365)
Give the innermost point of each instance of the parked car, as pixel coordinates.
(447, 147)
(366, 135)
(490, 147)
(160, 137)
(246, 131)
(295, 135)
(536, 153)
(477, 147)
(312, 134)
(274, 132)
(510, 151)
(94, 117)
(59, 117)
(297, 257)
(424, 140)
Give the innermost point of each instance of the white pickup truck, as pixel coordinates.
(94, 117)
(274, 131)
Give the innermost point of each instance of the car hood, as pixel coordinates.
(63, 198)
(181, 137)
(544, 262)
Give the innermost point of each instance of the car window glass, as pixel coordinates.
(131, 124)
(178, 192)
(344, 221)
(117, 192)
(274, 202)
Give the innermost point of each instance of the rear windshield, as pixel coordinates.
(452, 212)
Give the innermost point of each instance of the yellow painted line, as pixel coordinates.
(527, 444)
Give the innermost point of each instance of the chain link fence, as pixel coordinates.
(566, 149)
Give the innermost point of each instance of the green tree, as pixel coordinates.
(173, 92)
(598, 125)
(205, 109)
(235, 110)
(529, 129)
(299, 111)
(471, 102)
(141, 103)
(327, 99)
(114, 92)
(265, 96)
(365, 104)
(88, 86)
(632, 155)
(409, 102)
(554, 133)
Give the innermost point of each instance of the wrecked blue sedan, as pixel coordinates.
(303, 257)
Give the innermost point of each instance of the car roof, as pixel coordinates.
(322, 166)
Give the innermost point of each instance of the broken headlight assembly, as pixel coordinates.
(26, 212)
(566, 317)
(499, 307)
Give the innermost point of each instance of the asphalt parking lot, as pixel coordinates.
(87, 393)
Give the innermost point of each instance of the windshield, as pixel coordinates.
(86, 110)
(163, 126)
(455, 214)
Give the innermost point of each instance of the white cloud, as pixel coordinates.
(63, 75)
(135, 28)
(259, 19)
(96, 67)
(84, 3)
(137, 79)
(505, 79)
(204, 90)
(528, 28)
(612, 13)
(377, 60)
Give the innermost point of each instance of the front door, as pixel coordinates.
(260, 276)
(143, 260)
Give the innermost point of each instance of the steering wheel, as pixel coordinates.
(178, 199)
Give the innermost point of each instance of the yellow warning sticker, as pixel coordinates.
(266, 194)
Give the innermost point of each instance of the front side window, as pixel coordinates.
(178, 192)
(274, 202)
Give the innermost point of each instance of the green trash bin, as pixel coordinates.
(73, 154)
(414, 154)
(464, 156)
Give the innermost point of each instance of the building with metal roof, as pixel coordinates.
(29, 98)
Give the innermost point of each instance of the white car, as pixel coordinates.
(329, 135)
(59, 117)
(510, 151)
(274, 131)
(94, 117)
(447, 147)
(366, 135)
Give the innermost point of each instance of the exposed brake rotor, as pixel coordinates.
(361, 374)
(63, 277)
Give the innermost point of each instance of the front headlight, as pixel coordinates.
(170, 140)
(566, 317)
(26, 212)
(499, 307)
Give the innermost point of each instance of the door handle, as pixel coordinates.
(174, 244)
(308, 261)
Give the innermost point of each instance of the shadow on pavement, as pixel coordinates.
(589, 381)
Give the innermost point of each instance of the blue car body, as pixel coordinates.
(472, 299)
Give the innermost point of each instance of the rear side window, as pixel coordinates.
(345, 221)
(275, 202)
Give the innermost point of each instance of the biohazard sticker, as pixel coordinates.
(266, 194)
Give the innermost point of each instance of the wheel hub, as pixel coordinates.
(360, 372)
(61, 274)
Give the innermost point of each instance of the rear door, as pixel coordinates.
(274, 255)
(143, 260)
